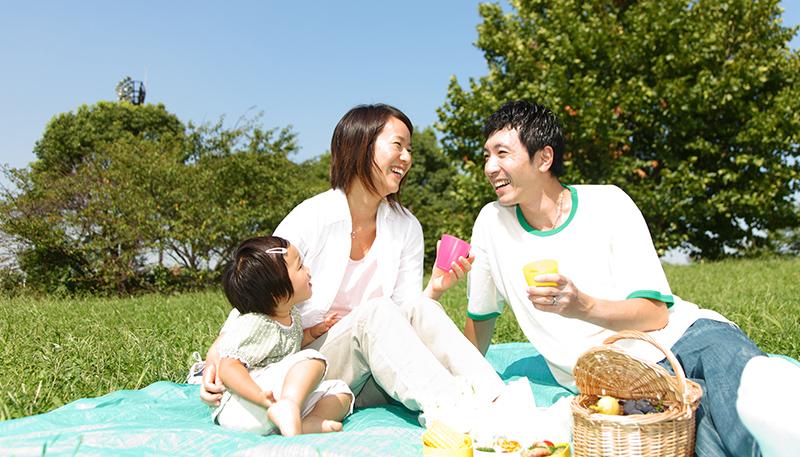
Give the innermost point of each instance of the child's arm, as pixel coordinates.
(211, 388)
(312, 333)
(236, 378)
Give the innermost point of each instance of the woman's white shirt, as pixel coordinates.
(320, 229)
(356, 283)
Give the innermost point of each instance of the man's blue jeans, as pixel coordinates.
(713, 354)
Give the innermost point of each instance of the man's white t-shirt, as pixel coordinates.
(604, 247)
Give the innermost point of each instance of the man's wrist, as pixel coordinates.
(588, 306)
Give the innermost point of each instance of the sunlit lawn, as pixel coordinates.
(56, 350)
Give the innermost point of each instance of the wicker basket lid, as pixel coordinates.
(610, 370)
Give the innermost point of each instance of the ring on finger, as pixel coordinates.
(555, 299)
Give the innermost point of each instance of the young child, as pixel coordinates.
(270, 381)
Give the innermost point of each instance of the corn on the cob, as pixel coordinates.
(441, 436)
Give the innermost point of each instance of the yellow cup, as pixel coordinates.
(540, 267)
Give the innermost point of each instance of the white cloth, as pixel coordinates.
(767, 404)
(236, 413)
(320, 230)
(604, 247)
(522, 420)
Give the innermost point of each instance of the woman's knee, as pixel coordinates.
(423, 306)
(426, 304)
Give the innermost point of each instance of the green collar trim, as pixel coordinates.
(572, 211)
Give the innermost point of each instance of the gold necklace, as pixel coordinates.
(559, 204)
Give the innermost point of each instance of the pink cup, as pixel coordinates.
(450, 249)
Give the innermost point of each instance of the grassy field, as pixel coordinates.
(55, 350)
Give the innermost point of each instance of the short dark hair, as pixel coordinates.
(537, 127)
(255, 281)
(353, 146)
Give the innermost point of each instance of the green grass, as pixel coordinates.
(761, 296)
(56, 350)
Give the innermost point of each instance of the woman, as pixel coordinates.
(368, 314)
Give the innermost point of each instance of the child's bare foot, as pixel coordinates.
(331, 426)
(316, 424)
(286, 415)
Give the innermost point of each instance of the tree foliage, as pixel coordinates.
(692, 107)
(111, 206)
(70, 137)
(431, 193)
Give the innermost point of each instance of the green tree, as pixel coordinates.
(70, 137)
(692, 107)
(316, 173)
(142, 210)
(68, 213)
(240, 182)
(431, 193)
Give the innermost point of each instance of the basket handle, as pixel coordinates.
(676, 367)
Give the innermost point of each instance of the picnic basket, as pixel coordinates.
(609, 370)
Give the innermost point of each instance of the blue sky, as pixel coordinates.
(300, 63)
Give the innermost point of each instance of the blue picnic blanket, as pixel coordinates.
(166, 418)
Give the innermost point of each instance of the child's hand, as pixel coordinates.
(331, 319)
(322, 328)
(269, 398)
(211, 389)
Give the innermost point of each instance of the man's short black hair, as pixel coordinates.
(537, 127)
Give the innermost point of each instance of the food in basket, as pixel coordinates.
(547, 448)
(440, 436)
(607, 405)
(603, 370)
(612, 406)
(642, 406)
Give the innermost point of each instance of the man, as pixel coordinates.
(609, 275)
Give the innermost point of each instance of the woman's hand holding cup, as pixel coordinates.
(453, 262)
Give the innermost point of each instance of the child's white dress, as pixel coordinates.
(268, 349)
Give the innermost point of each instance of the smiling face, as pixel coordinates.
(510, 170)
(392, 156)
(299, 275)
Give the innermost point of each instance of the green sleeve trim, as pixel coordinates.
(482, 317)
(655, 295)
